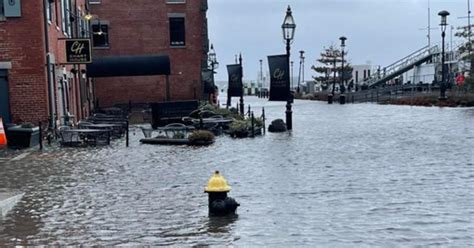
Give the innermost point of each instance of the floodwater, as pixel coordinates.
(352, 175)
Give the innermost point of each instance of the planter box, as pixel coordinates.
(19, 137)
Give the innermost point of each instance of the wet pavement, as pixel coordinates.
(353, 175)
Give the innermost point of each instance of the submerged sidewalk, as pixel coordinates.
(8, 201)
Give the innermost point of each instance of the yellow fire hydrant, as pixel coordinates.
(219, 203)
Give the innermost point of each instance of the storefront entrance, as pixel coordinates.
(4, 97)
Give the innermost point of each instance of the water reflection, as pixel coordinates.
(359, 174)
(221, 224)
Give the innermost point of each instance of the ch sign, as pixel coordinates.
(78, 51)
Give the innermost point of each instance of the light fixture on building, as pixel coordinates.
(88, 16)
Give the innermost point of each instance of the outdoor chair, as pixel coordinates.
(84, 124)
(147, 132)
(69, 138)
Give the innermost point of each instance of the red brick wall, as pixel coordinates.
(142, 28)
(22, 42)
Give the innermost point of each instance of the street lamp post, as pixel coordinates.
(342, 97)
(301, 71)
(241, 95)
(213, 62)
(442, 89)
(288, 27)
(260, 78)
(331, 95)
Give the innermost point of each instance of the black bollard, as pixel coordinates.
(248, 111)
(330, 99)
(342, 99)
(253, 125)
(40, 135)
(242, 105)
(263, 120)
(127, 135)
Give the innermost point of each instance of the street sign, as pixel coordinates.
(78, 51)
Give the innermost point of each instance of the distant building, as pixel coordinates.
(177, 28)
(362, 72)
(35, 83)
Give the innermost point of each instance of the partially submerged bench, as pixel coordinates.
(164, 113)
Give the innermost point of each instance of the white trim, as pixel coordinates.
(175, 1)
(5, 65)
(176, 15)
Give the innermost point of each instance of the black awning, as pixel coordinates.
(122, 66)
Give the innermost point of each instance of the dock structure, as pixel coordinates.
(8, 201)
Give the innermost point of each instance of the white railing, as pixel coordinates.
(401, 64)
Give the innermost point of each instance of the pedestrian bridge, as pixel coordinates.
(401, 66)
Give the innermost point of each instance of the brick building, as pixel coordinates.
(177, 28)
(35, 83)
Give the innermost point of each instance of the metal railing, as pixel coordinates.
(401, 64)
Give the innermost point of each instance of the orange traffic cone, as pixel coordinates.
(3, 137)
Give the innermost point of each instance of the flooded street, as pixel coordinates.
(351, 175)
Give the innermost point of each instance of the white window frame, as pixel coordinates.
(175, 1)
(63, 16)
(49, 13)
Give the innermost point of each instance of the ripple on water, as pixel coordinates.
(352, 175)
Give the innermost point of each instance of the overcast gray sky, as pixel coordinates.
(379, 31)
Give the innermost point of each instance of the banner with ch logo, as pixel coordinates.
(78, 51)
(279, 77)
(207, 81)
(235, 80)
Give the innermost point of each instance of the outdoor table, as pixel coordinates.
(172, 130)
(88, 135)
(212, 120)
(116, 129)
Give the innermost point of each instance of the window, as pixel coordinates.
(56, 13)
(177, 31)
(100, 34)
(2, 11)
(175, 1)
(48, 11)
(368, 73)
(63, 15)
(68, 18)
(82, 28)
(357, 76)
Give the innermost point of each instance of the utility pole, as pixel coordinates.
(468, 17)
(429, 28)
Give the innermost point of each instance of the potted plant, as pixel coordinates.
(23, 136)
(201, 137)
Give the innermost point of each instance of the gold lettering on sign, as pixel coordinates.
(77, 47)
(278, 74)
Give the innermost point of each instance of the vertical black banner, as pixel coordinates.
(279, 77)
(207, 80)
(235, 80)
